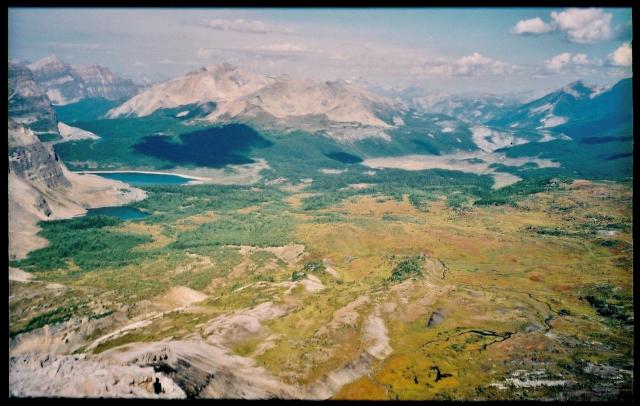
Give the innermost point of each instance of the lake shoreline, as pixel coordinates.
(194, 180)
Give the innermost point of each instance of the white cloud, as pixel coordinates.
(621, 56)
(581, 25)
(173, 62)
(532, 26)
(250, 26)
(558, 62)
(479, 64)
(475, 64)
(283, 47)
(580, 59)
(566, 59)
(138, 63)
(584, 25)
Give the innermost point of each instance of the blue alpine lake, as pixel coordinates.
(122, 212)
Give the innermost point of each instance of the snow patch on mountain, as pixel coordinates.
(552, 121)
(570, 90)
(598, 90)
(540, 109)
(489, 140)
(398, 121)
(547, 136)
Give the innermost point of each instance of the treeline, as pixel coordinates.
(510, 194)
(85, 242)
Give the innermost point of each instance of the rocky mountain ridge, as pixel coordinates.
(65, 84)
(280, 101)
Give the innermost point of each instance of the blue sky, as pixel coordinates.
(455, 50)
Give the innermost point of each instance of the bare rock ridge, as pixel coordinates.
(66, 83)
(282, 102)
(215, 83)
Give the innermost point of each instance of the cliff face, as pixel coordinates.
(31, 160)
(66, 84)
(101, 82)
(28, 103)
(42, 188)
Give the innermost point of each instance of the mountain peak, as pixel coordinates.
(47, 61)
(577, 89)
(221, 67)
(576, 83)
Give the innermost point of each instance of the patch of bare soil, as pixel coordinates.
(312, 284)
(347, 315)
(179, 296)
(375, 333)
(18, 275)
(242, 324)
(291, 253)
(329, 269)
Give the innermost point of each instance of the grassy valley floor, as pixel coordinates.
(374, 296)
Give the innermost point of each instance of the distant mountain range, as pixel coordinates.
(401, 121)
(282, 102)
(469, 107)
(66, 83)
(348, 112)
(576, 109)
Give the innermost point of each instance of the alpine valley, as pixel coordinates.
(283, 237)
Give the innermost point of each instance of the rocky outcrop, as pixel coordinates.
(53, 375)
(31, 160)
(66, 83)
(28, 103)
